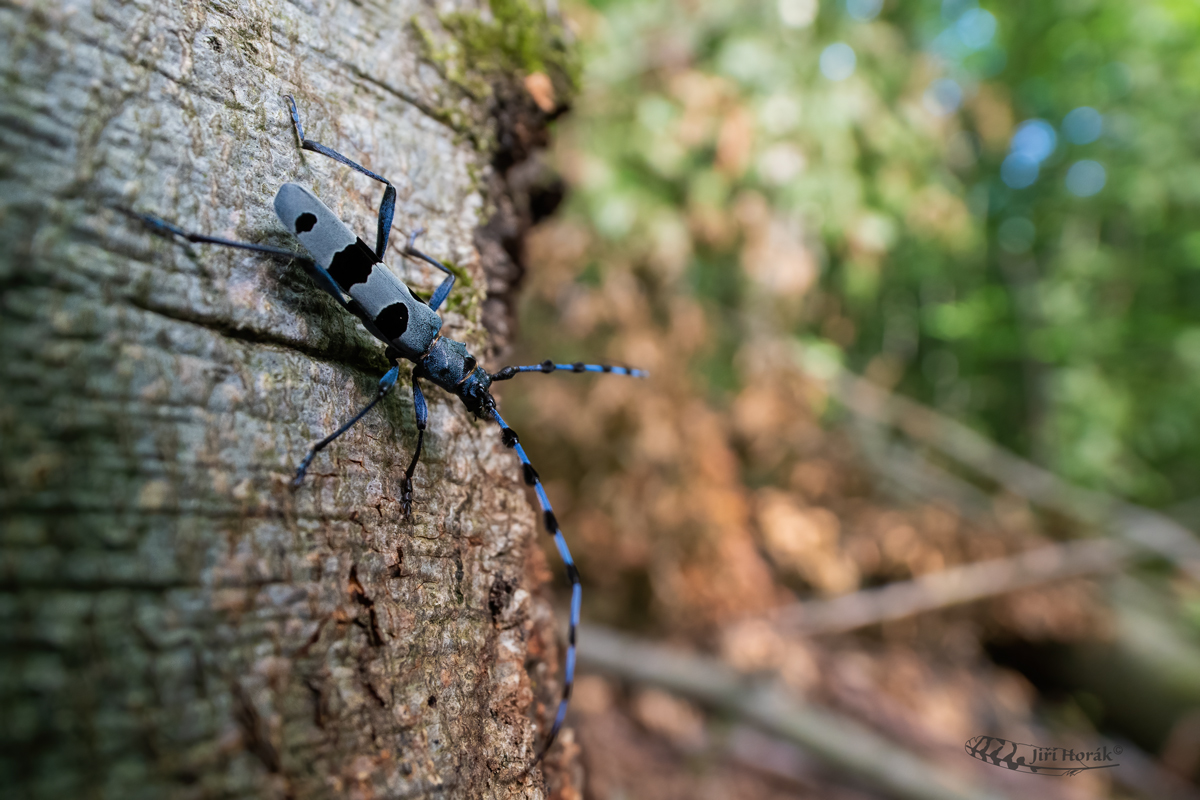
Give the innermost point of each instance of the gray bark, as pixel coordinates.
(176, 622)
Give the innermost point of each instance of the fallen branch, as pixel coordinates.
(954, 586)
(914, 475)
(1139, 526)
(839, 742)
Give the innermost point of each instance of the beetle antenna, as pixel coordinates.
(549, 366)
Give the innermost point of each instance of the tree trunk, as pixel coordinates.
(176, 621)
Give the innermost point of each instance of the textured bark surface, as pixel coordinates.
(174, 620)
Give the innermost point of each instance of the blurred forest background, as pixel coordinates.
(917, 285)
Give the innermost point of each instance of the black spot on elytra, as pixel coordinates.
(393, 321)
(305, 222)
(353, 264)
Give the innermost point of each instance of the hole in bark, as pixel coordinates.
(500, 596)
(318, 713)
(397, 570)
(458, 577)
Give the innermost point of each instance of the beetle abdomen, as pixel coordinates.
(408, 324)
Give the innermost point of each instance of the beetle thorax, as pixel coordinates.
(448, 364)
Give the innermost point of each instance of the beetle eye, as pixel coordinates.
(468, 365)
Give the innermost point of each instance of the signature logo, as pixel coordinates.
(1037, 760)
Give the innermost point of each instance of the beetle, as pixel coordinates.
(345, 267)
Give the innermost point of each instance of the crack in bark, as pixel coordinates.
(254, 730)
(239, 333)
(416, 102)
(359, 595)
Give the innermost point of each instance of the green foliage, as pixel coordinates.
(1091, 297)
(1062, 325)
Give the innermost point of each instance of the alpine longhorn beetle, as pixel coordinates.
(345, 267)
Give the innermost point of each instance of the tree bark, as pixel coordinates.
(176, 621)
